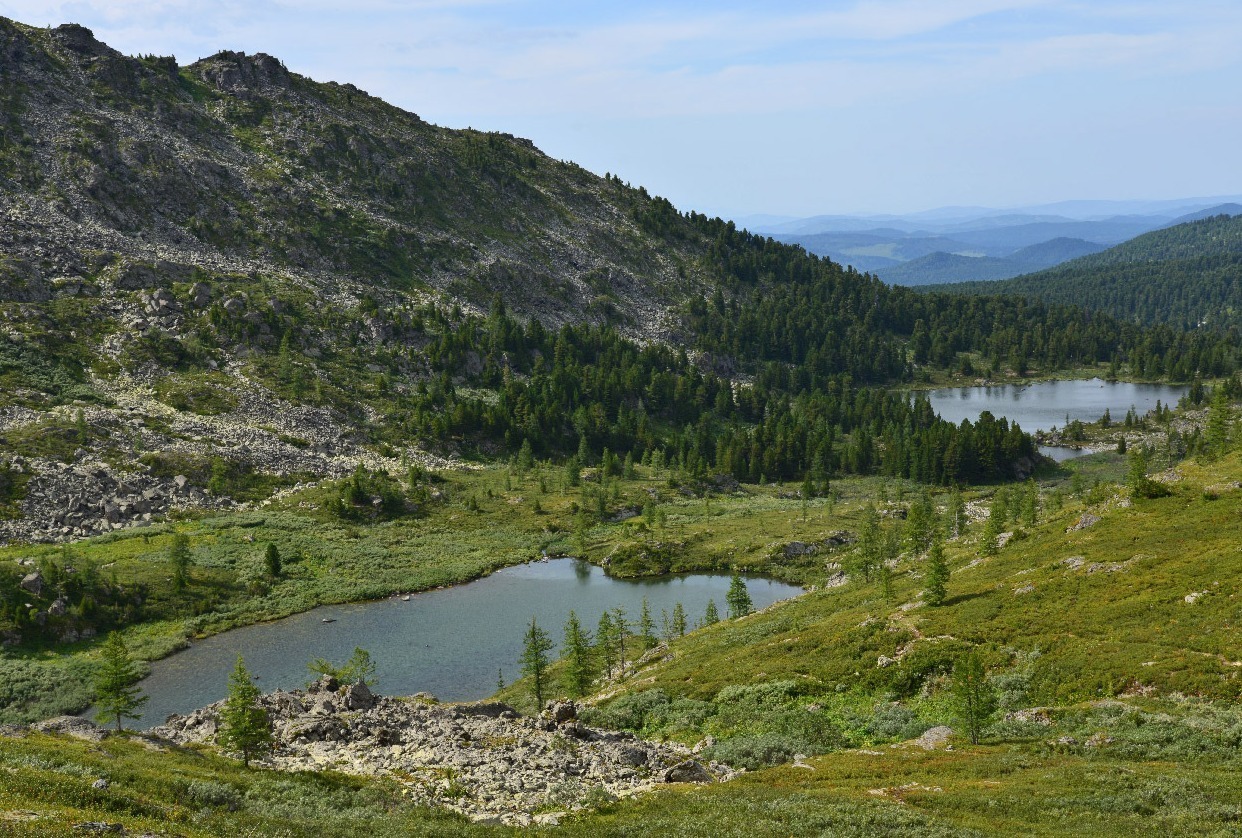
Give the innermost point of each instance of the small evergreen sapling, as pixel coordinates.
(244, 725)
(679, 620)
(937, 575)
(973, 696)
(271, 560)
(179, 559)
(534, 660)
(646, 626)
(738, 598)
(579, 662)
(116, 694)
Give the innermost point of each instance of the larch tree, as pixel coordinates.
(646, 626)
(973, 696)
(605, 646)
(116, 694)
(738, 598)
(937, 575)
(244, 724)
(679, 620)
(579, 662)
(179, 559)
(536, 645)
(956, 516)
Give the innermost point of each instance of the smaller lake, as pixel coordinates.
(1042, 405)
(449, 642)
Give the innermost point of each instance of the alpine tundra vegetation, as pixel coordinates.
(268, 343)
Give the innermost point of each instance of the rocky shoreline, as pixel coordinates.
(482, 759)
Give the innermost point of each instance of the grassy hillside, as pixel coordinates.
(1096, 612)
(1188, 276)
(1115, 671)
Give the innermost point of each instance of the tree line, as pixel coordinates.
(606, 652)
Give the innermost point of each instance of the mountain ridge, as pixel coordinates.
(1188, 275)
(206, 157)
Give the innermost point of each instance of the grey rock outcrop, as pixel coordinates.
(74, 726)
(480, 759)
(689, 771)
(33, 583)
(1086, 520)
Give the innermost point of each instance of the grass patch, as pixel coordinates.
(204, 393)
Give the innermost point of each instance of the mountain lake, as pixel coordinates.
(451, 642)
(1042, 405)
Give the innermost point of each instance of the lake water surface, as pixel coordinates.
(1042, 405)
(449, 642)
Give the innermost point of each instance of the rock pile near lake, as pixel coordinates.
(483, 760)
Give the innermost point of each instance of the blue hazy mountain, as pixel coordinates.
(970, 244)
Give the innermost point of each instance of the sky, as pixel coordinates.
(783, 107)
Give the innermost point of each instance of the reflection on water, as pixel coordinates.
(1043, 405)
(451, 642)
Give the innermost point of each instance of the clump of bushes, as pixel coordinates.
(375, 495)
(210, 793)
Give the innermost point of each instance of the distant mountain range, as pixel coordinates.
(952, 267)
(964, 244)
(1187, 275)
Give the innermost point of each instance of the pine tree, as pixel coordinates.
(179, 559)
(711, 615)
(885, 574)
(576, 650)
(244, 725)
(1030, 504)
(620, 627)
(525, 458)
(921, 523)
(646, 626)
(271, 560)
(1136, 473)
(535, 660)
(1218, 423)
(958, 520)
(605, 646)
(359, 668)
(679, 620)
(116, 694)
(869, 543)
(993, 527)
(738, 598)
(937, 575)
(973, 696)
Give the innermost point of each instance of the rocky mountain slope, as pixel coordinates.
(119, 174)
(221, 281)
(156, 218)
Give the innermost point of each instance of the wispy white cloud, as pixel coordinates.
(716, 70)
